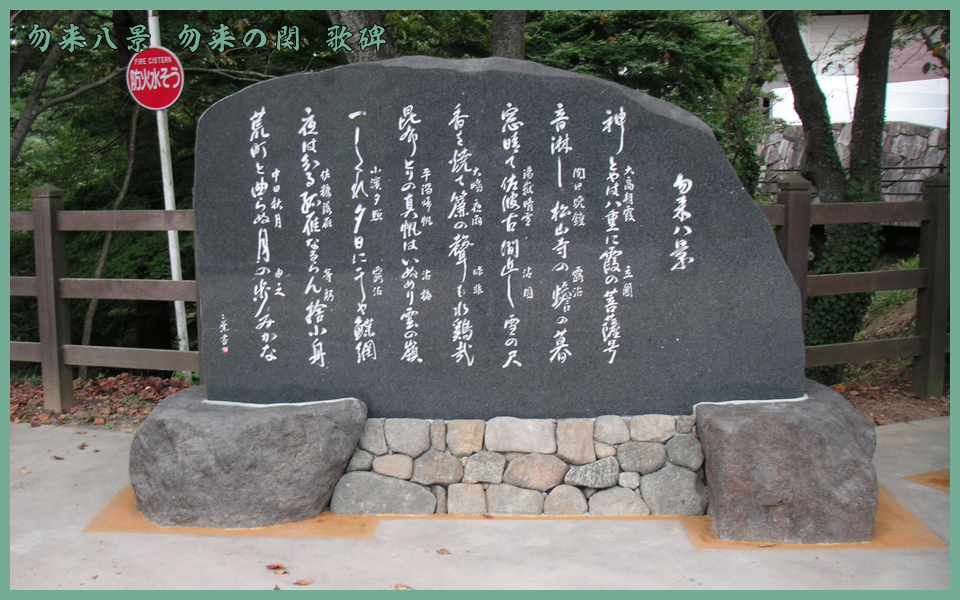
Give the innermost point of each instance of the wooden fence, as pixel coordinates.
(792, 215)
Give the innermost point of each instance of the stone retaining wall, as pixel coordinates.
(651, 464)
(906, 148)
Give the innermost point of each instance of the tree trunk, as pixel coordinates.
(745, 159)
(848, 247)
(866, 144)
(123, 20)
(102, 260)
(820, 163)
(20, 58)
(31, 109)
(507, 34)
(355, 21)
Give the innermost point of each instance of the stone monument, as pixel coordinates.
(529, 278)
(476, 238)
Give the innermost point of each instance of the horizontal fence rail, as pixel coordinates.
(111, 220)
(793, 215)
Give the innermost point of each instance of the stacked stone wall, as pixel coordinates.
(911, 153)
(611, 465)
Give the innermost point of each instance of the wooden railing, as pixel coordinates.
(792, 215)
(51, 287)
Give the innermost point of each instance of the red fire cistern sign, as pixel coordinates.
(155, 77)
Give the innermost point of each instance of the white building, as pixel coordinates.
(912, 96)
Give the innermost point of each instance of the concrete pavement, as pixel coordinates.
(51, 501)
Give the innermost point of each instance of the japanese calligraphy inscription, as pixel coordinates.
(477, 238)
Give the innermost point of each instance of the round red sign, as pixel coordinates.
(155, 77)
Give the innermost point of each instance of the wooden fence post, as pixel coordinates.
(933, 302)
(794, 236)
(53, 314)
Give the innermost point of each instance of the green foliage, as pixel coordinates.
(932, 27)
(837, 319)
(194, 377)
(693, 59)
(81, 147)
(886, 300)
(441, 33)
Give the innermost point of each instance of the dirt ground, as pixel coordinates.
(882, 393)
(117, 403)
(122, 402)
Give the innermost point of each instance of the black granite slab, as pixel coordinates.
(394, 231)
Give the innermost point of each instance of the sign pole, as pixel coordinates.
(169, 201)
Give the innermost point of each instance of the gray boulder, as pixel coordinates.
(686, 424)
(438, 434)
(540, 472)
(440, 492)
(797, 472)
(505, 499)
(437, 468)
(629, 480)
(617, 501)
(231, 465)
(484, 467)
(372, 439)
(611, 430)
(652, 428)
(684, 451)
(394, 465)
(361, 461)
(641, 457)
(466, 499)
(575, 441)
(509, 434)
(366, 493)
(565, 500)
(464, 437)
(674, 490)
(407, 436)
(604, 450)
(601, 474)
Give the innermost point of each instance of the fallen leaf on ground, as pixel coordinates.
(82, 446)
(400, 586)
(94, 577)
(59, 457)
(81, 432)
(275, 566)
(25, 472)
(96, 450)
(303, 582)
(443, 551)
(276, 587)
(767, 545)
(99, 421)
(280, 572)
(487, 516)
(33, 424)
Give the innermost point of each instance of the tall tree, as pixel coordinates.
(693, 59)
(849, 248)
(358, 21)
(740, 127)
(34, 103)
(821, 162)
(507, 37)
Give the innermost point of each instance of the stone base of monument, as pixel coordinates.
(232, 465)
(794, 472)
(610, 465)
